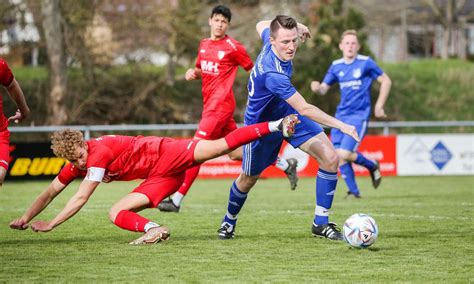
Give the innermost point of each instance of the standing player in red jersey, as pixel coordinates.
(162, 163)
(13, 88)
(218, 60)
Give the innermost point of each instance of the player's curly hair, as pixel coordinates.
(64, 143)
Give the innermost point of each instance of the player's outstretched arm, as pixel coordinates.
(314, 113)
(41, 202)
(385, 85)
(73, 206)
(15, 92)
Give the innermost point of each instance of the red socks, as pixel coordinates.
(246, 134)
(131, 221)
(191, 175)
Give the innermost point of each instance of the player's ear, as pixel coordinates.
(272, 40)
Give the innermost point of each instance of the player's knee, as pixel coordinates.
(234, 157)
(343, 155)
(330, 161)
(333, 161)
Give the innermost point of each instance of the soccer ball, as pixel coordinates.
(360, 231)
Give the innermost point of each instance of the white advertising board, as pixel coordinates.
(435, 154)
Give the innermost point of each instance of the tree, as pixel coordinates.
(53, 33)
(448, 15)
(327, 21)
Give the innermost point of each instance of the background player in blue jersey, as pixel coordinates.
(272, 96)
(355, 74)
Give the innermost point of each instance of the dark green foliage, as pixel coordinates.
(315, 56)
(421, 90)
(431, 90)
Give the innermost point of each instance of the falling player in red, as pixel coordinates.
(8, 81)
(218, 60)
(160, 161)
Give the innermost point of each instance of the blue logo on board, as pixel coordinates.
(440, 155)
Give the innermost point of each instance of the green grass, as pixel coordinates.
(425, 236)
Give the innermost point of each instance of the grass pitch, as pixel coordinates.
(425, 223)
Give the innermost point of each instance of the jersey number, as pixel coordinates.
(251, 87)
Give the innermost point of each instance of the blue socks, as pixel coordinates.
(348, 175)
(325, 188)
(236, 201)
(363, 161)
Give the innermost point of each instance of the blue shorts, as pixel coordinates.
(346, 142)
(260, 154)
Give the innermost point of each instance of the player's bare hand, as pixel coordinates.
(190, 74)
(379, 112)
(109, 177)
(350, 130)
(303, 32)
(17, 117)
(19, 224)
(315, 85)
(41, 226)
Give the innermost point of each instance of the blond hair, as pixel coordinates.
(348, 32)
(65, 142)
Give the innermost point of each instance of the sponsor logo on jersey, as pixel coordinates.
(354, 84)
(220, 54)
(356, 73)
(209, 66)
(203, 51)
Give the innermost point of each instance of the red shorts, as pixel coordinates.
(215, 125)
(4, 148)
(175, 157)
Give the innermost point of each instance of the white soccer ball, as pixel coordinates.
(360, 230)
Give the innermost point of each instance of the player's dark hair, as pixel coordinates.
(282, 21)
(222, 10)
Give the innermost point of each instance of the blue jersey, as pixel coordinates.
(269, 86)
(355, 80)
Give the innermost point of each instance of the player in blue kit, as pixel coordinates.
(355, 74)
(270, 96)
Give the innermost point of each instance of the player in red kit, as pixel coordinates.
(218, 60)
(160, 161)
(13, 89)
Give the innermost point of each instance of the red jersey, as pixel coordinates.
(219, 61)
(123, 157)
(6, 78)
